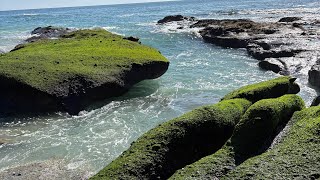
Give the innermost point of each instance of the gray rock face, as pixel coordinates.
(314, 75)
(275, 65)
(292, 45)
(48, 32)
(289, 19)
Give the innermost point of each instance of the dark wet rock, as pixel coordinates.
(316, 101)
(275, 65)
(290, 19)
(131, 38)
(290, 40)
(234, 33)
(314, 75)
(17, 47)
(175, 18)
(47, 32)
(258, 52)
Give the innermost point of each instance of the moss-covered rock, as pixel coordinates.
(178, 142)
(295, 157)
(267, 89)
(74, 70)
(252, 135)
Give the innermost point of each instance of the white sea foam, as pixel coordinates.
(30, 14)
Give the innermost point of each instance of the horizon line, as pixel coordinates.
(112, 4)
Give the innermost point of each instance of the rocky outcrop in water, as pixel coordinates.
(290, 19)
(48, 32)
(275, 65)
(68, 74)
(168, 19)
(289, 46)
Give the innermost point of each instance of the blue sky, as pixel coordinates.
(35, 4)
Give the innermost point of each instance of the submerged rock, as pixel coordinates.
(70, 73)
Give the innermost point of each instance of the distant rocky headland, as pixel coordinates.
(62, 69)
(284, 47)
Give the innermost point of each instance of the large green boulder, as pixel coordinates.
(296, 156)
(74, 70)
(252, 135)
(266, 89)
(178, 142)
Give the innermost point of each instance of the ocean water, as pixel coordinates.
(199, 74)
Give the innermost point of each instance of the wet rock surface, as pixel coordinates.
(48, 32)
(274, 65)
(286, 46)
(175, 18)
(289, 19)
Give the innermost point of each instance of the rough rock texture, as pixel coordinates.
(290, 19)
(267, 89)
(295, 157)
(175, 18)
(314, 75)
(275, 65)
(294, 41)
(252, 136)
(48, 32)
(177, 143)
(73, 71)
(184, 140)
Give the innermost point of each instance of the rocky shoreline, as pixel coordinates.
(233, 139)
(283, 47)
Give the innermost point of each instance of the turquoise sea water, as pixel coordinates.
(199, 74)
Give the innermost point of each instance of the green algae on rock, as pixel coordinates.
(295, 157)
(177, 143)
(252, 135)
(266, 89)
(74, 70)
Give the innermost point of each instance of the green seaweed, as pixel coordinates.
(178, 142)
(97, 55)
(267, 89)
(296, 156)
(252, 135)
